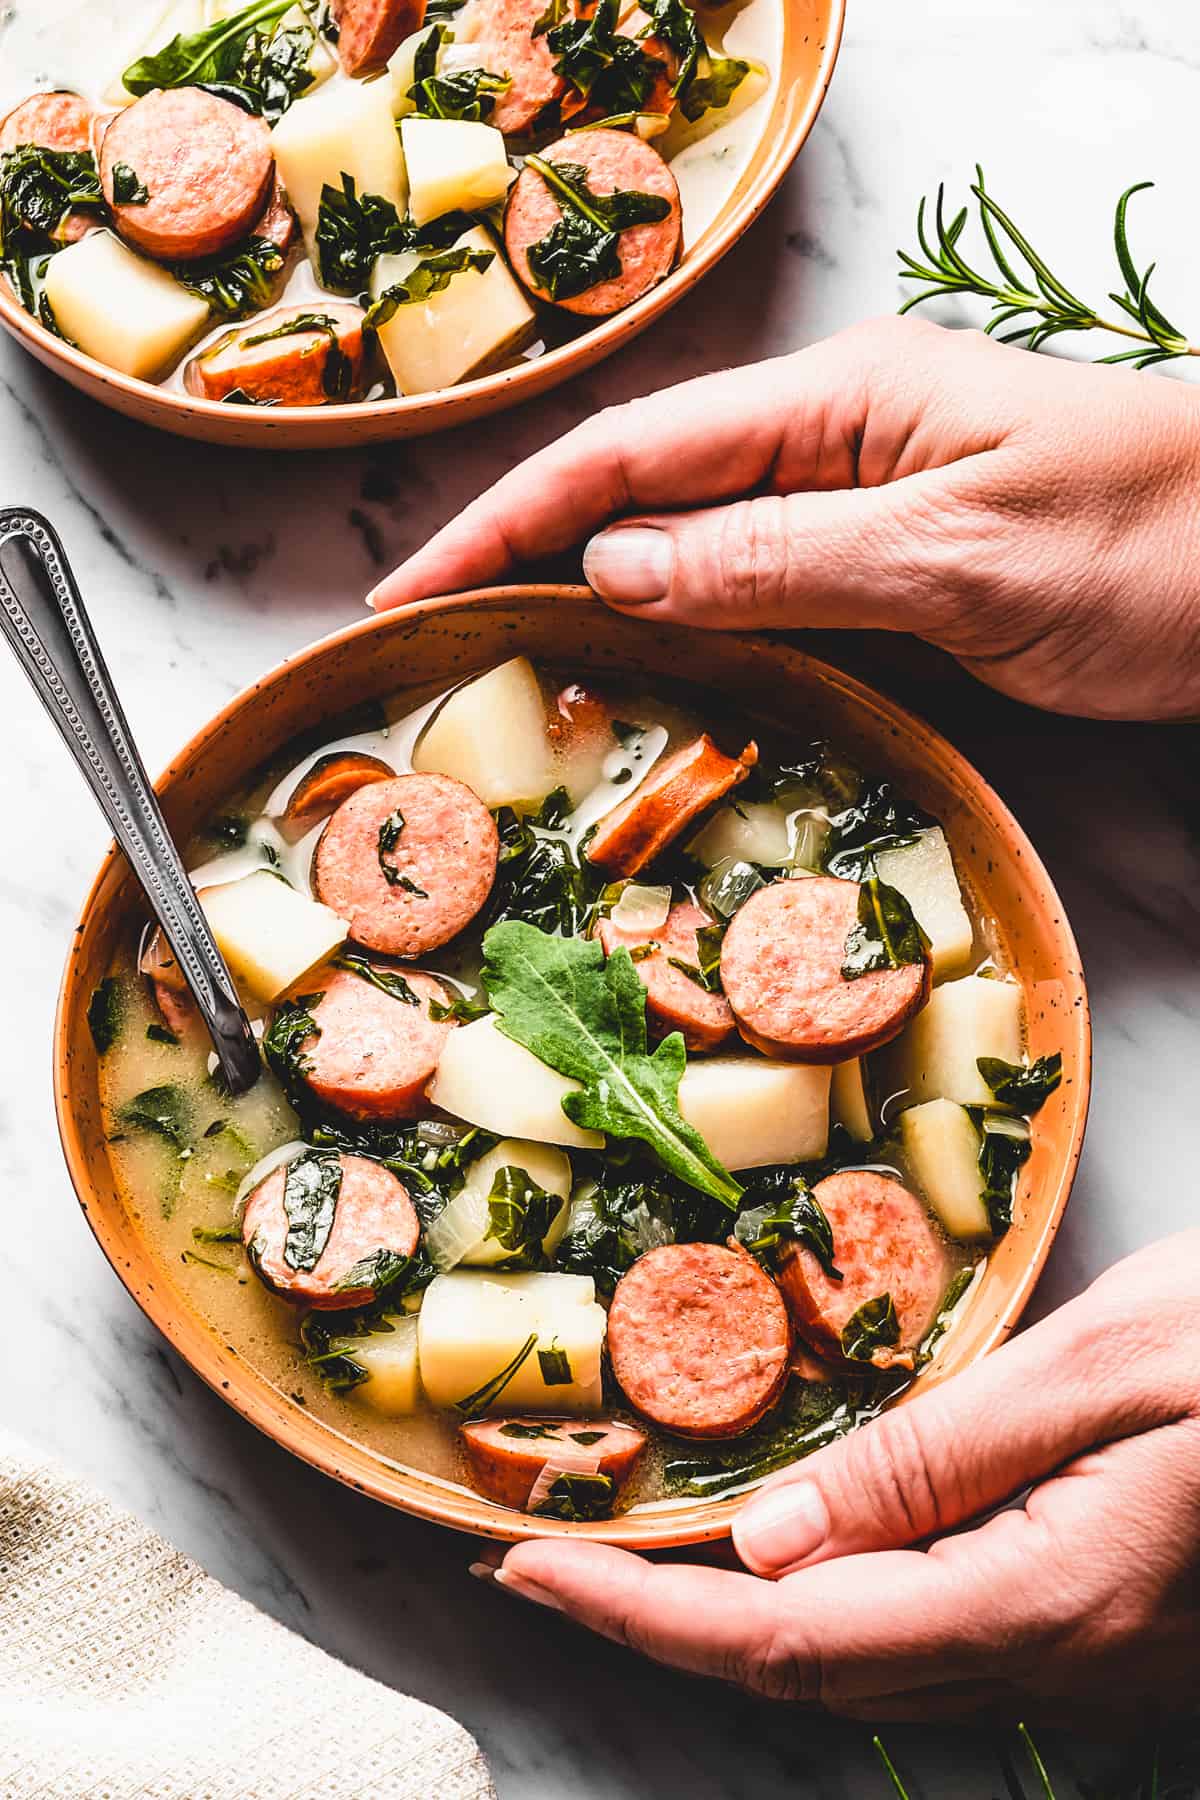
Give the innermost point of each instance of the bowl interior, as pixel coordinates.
(45, 41)
(438, 643)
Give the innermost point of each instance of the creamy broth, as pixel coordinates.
(183, 1181)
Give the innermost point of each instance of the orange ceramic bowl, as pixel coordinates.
(424, 650)
(811, 33)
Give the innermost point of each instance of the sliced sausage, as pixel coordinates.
(278, 221)
(430, 884)
(178, 1010)
(369, 30)
(671, 797)
(502, 32)
(699, 1339)
(506, 1457)
(207, 166)
(883, 1243)
(55, 121)
(613, 160)
(674, 1002)
(373, 1213)
(331, 780)
(781, 968)
(376, 1053)
(289, 370)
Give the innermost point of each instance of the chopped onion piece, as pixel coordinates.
(641, 908)
(267, 1165)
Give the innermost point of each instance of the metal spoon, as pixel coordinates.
(44, 620)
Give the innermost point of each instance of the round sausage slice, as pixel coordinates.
(674, 793)
(376, 1053)
(55, 121)
(285, 357)
(372, 1213)
(207, 166)
(409, 862)
(883, 1243)
(674, 1002)
(781, 968)
(614, 160)
(507, 1457)
(369, 30)
(501, 32)
(699, 1339)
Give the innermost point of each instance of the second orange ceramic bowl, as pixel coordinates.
(426, 649)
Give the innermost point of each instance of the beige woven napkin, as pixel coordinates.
(127, 1673)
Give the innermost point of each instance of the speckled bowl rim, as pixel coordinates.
(321, 1445)
(295, 426)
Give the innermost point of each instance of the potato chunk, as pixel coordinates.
(454, 165)
(480, 316)
(942, 1147)
(936, 1058)
(344, 129)
(460, 1234)
(474, 1326)
(491, 735)
(268, 933)
(488, 1080)
(393, 1384)
(751, 1111)
(851, 1099)
(923, 872)
(121, 309)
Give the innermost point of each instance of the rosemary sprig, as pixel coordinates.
(1035, 303)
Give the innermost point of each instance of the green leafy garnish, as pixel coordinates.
(384, 1269)
(429, 276)
(160, 1034)
(464, 94)
(239, 58)
(1025, 1089)
(283, 1045)
(886, 936)
(388, 981)
(582, 249)
(703, 80)
(1031, 305)
(106, 1013)
(216, 1234)
(462, 1009)
(310, 1196)
(584, 1014)
(239, 281)
(796, 1217)
(329, 1339)
(540, 879)
(575, 1494)
(389, 837)
(516, 1429)
(872, 1328)
(706, 972)
(1004, 1149)
(352, 232)
(337, 376)
(520, 1213)
(555, 1366)
(39, 188)
(473, 1404)
(609, 68)
(586, 1438)
(127, 189)
(618, 1222)
(163, 1111)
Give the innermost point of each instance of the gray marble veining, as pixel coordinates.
(202, 568)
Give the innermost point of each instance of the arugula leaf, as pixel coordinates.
(238, 282)
(797, 1217)
(164, 1111)
(388, 981)
(713, 91)
(555, 1366)
(584, 1014)
(310, 1196)
(606, 66)
(328, 1339)
(582, 248)
(106, 1013)
(886, 936)
(575, 1494)
(520, 1213)
(275, 70)
(872, 1328)
(471, 1405)
(215, 54)
(1025, 1089)
(337, 377)
(127, 189)
(430, 276)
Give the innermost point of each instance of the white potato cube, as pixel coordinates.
(460, 1234)
(268, 933)
(491, 734)
(851, 1101)
(923, 872)
(121, 309)
(393, 1384)
(474, 1325)
(401, 70)
(480, 316)
(345, 128)
(454, 165)
(751, 1111)
(487, 1079)
(964, 1020)
(942, 1147)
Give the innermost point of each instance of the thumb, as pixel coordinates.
(866, 557)
(957, 1451)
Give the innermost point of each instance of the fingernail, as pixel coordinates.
(781, 1528)
(519, 1585)
(630, 564)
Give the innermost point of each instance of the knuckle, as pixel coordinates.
(775, 1670)
(752, 554)
(892, 1476)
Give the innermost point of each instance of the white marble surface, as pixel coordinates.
(204, 568)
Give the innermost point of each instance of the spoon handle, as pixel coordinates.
(46, 624)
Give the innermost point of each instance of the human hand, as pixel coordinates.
(1038, 519)
(1081, 1607)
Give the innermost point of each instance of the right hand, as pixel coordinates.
(1038, 519)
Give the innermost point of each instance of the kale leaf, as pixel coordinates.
(1025, 1088)
(310, 1197)
(886, 934)
(873, 1328)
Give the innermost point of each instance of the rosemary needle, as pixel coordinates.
(1031, 304)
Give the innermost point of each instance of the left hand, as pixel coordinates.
(1081, 1606)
